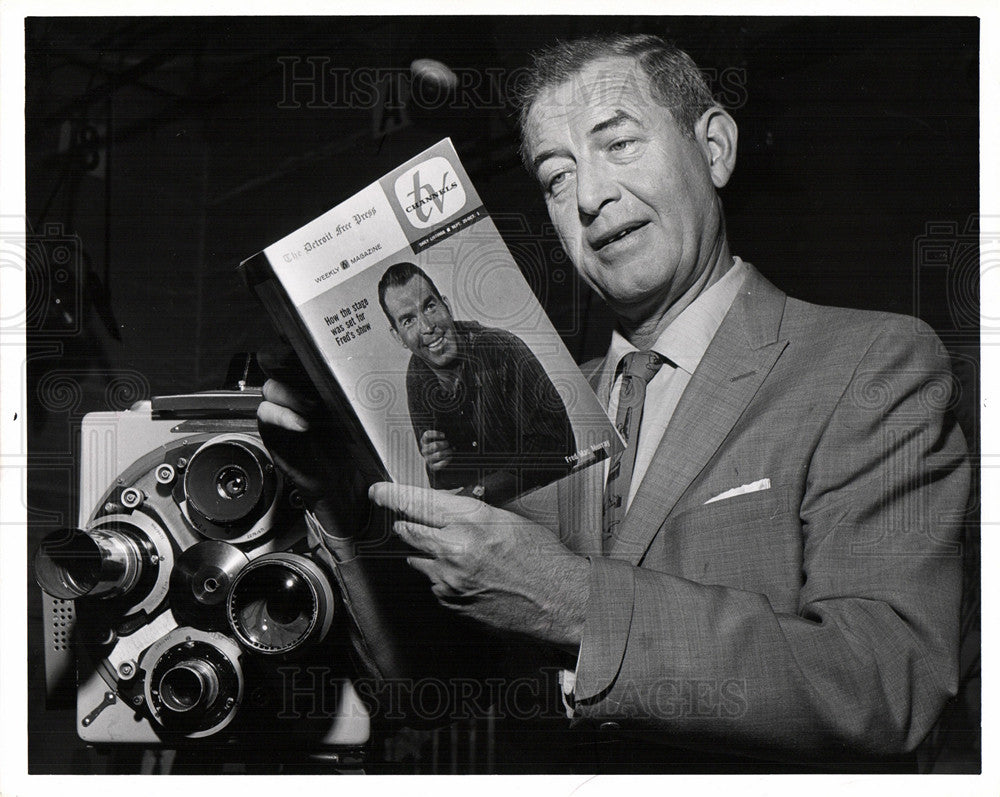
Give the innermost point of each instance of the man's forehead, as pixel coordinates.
(414, 289)
(599, 88)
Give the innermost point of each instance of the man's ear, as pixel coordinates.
(717, 135)
(395, 334)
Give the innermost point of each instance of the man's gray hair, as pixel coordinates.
(677, 83)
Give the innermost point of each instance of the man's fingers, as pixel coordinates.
(432, 435)
(434, 447)
(427, 539)
(280, 416)
(436, 451)
(284, 366)
(425, 566)
(280, 393)
(430, 507)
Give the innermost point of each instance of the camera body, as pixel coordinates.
(190, 600)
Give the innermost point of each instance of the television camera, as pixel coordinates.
(192, 600)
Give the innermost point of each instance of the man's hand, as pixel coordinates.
(435, 449)
(304, 441)
(492, 565)
(284, 422)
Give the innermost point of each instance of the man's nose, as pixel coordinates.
(595, 187)
(426, 324)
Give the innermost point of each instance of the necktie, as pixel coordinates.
(639, 368)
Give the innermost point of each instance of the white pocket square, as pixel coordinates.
(753, 487)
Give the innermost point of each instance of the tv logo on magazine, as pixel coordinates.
(430, 192)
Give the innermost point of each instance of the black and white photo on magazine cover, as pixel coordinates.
(484, 412)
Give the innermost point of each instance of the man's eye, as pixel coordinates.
(556, 180)
(621, 145)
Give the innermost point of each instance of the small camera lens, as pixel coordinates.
(189, 685)
(193, 681)
(231, 482)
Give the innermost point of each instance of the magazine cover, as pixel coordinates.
(408, 297)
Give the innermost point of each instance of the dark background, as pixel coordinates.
(163, 151)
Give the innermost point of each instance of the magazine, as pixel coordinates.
(417, 327)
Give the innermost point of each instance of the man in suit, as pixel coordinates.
(772, 570)
(486, 417)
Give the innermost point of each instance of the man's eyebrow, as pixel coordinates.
(619, 118)
(544, 156)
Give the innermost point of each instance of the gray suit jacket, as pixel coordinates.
(819, 616)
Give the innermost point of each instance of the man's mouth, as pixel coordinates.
(436, 345)
(617, 235)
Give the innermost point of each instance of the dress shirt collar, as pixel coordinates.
(684, 342)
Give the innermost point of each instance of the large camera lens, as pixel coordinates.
(228, 482)
(279, 603)
(99, 562)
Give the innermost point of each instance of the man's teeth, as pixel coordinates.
(618, 236)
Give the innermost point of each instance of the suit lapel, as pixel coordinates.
(735, 364)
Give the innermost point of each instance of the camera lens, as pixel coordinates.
(193, 683)
(189, 685)
(275, 606)
(200, 580)
(227, 482)
(98, 562)
(279, 603)
(231, 482)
